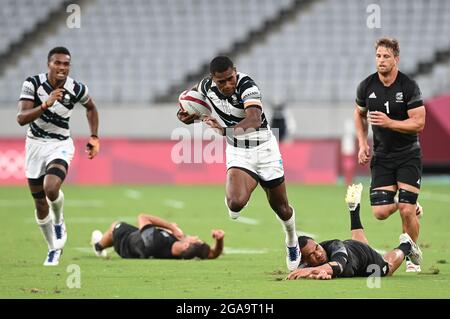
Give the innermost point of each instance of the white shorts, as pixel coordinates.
(263, 160)
(38, 154)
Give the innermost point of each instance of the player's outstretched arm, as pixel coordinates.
(320, 272)
(145, 219)
(93, 146)
(362, 130)
(216, 251)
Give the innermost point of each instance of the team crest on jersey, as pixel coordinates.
(399, 97)
(234, 99)
(66, 99)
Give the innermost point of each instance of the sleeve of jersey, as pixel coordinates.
(340, 256)
(83, 95)
(202, 86)
(27, 92)
(251, 97)
(415, 95)
(360, 96)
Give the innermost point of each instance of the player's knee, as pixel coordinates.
(236, 204)
(407, 197)
(381, 197)
(380, 212)
(51, 191)
(407, 210)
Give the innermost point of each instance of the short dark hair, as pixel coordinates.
(303, 240)
(389, 43)
(200, 250)
(220, 64)
(57, 50)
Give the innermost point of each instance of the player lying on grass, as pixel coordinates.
(352, 258)
(155, 238)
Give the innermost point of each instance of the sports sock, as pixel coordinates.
(46, 226)
(354, 218)
(405, 248)
(289, 229)
(57, 207)
(98, 247)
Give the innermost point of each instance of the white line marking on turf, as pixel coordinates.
(229, 250)
(435, 197)
(133, 194)
(67, 203)
(174, 203)
(246, 220)
(92, 220)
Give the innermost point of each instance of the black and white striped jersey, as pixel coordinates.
(53, 124)
(231, 109)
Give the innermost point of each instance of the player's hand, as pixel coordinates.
(214, 124)
(187, 118)
(379, 119)
(299, 273)
(55, 95)
(321, 275)
(364, 154)
(218, 234)
(93, 147)
(177, 232)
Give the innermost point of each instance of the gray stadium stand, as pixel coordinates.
(322, 55)
(129, 51)
(19, 17)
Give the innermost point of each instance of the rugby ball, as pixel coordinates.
(194, 102)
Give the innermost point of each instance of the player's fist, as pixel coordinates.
(55, 95)
(93, 146)
(187, 118)
(218, 234)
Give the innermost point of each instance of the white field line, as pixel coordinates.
(438, 197)
(246, 220)
(174, 203)
(92, 220)
(133, 194)
(230, 250)
(67, 202)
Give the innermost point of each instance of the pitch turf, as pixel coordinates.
(253, 265)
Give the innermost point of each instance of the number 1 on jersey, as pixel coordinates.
(387, 107)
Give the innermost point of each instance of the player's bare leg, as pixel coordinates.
(238, 189)
(101, 241)
(53, 180)
(278, 201)
(394, 258)
(44, 220)
(381, 210)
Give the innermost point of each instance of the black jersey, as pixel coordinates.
(149, 242)
(356, 258)
(395, 101)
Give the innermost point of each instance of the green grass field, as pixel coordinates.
(253, 265)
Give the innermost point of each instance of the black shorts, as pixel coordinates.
(390, 171)
(121, 239)
(366, 261)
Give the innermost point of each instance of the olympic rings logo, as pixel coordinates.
(12, 164)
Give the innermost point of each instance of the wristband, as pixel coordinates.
(44, 106)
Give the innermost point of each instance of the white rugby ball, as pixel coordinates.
(194, 102)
